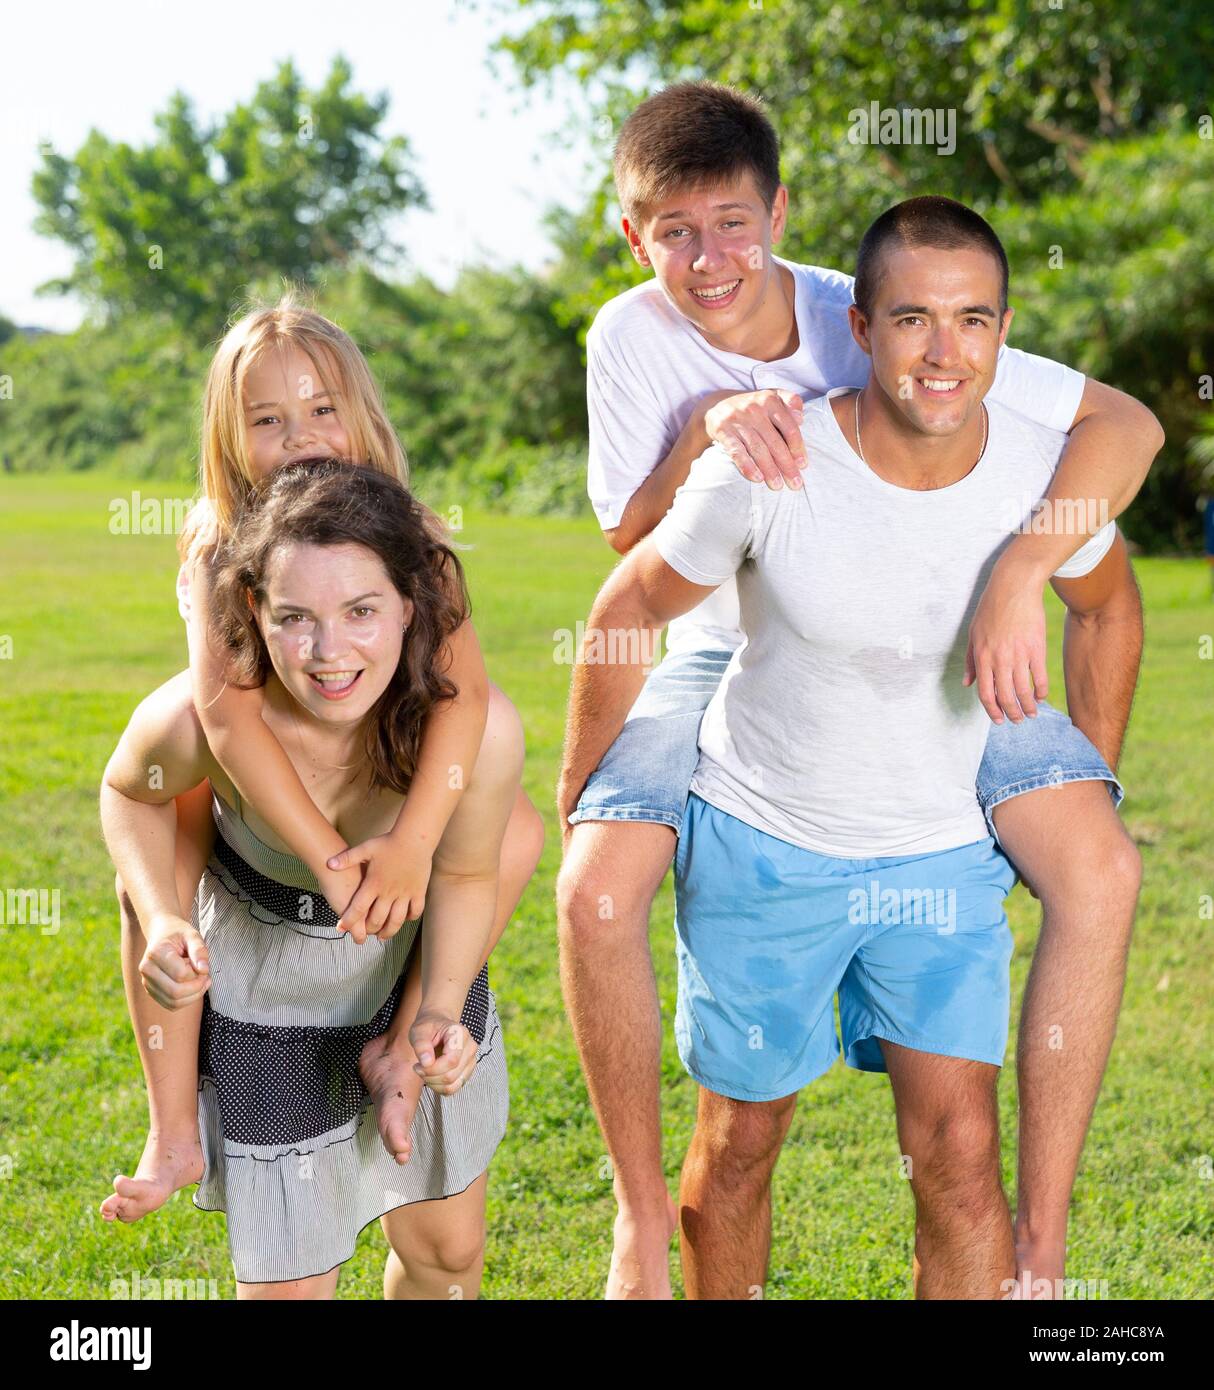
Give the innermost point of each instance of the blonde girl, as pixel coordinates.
(287, 385)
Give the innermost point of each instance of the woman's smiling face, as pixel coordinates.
(291, 412)
(334, 625)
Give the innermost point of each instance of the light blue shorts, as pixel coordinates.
(646, 773)
(917, 949)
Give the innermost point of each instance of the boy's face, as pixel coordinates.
(935, 332)
(710, 248)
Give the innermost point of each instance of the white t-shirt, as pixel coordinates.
(648, 367)
(841, 723)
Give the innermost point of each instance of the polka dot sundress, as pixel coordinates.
(293, 1155)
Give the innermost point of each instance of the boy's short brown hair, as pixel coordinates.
(691, 135)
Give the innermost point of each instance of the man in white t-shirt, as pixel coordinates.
(839, 832)
(725, 343)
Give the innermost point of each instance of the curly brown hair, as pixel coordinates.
(332, 502)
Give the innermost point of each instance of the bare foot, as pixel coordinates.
(640, 1257)
(395, 1088)
(166, 1165)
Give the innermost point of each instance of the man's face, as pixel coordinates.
(710, 248)
(935, 332)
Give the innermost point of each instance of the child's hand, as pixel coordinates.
(393, 890)
(174, 967)
(761, 433)
(339, 888)
(446, 1052)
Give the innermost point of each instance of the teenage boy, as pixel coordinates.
(723, 345)
(832, 840)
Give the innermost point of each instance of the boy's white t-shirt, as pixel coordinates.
(841, 724)
(648, 367)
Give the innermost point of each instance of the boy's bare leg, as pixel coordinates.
(725, 1194)
(438, 1248)
(167, 1039)
(610, 874)
(948, 1127)
(386, 1063)
(1069, 844)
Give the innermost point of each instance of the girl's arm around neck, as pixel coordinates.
(246, 749)
(397, 866)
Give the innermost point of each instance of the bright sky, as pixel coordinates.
(491, 157)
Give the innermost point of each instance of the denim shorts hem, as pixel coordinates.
(745, 1093)
(1036, 784)
(918, 1045)
(615, 813)
(1012, 790)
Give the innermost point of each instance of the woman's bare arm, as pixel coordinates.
(244, 746)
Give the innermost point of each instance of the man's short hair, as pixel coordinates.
(694, 134)
(933, 221)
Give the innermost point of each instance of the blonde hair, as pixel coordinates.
(225, 477)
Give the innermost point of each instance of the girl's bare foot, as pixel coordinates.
(395, 1088)
(167, 1165)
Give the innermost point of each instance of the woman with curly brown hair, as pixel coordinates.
(335, 594)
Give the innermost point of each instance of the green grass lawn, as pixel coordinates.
(93, 627)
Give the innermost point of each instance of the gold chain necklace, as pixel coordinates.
(330, 767)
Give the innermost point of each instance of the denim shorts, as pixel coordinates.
(917, 948)
(646, 773)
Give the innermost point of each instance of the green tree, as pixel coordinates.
(290, 182)
(1032, 87)
(1076, 127)
(483, 382)
(1116, 277)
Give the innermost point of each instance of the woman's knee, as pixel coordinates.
(448, 1247)
(502, 743)
(524, 842)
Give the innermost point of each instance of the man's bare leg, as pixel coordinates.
(609, 876)
(725, 1194)
(948, 1126)
(1069, 844)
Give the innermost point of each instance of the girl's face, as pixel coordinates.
(334, 625)
(289, 412)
